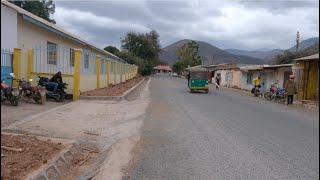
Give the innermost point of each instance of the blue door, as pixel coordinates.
(6, 65)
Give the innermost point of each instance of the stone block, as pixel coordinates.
(52, 173)
(61, 165)
(68, 157)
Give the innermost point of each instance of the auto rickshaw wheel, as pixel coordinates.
(191, 90)
(207, 91)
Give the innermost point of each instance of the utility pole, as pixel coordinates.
(297, 41)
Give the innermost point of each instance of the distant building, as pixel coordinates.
(162, 69)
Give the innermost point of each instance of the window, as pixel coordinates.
(249, 78)
(71, 57)
(52, 53)
(102, 66)
(111, 67)
(86, 61)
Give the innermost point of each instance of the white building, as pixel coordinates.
(53, 47)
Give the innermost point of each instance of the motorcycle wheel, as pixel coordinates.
(2, 96)
(14, 101)
(61, 97)
(268, 96)
(38, 98)
(283, 98)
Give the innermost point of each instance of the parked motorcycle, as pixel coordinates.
(10, 94)
(278, 94)
(37, 93)
(60, 95)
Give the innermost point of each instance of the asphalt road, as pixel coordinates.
(224, 134)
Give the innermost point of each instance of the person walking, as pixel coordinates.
(217, 81)
(290, 89)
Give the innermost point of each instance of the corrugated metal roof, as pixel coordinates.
(253, 67)
(198, 69)
(312, 57)
(30, 15)
(278, 65)
(168, 68)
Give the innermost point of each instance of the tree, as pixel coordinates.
(43, 8)
(178, 67)
(188, 54)
(132, 59)
(111, 49)
(287, 56)
(145, 46)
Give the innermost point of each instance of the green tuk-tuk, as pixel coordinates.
(198, 79)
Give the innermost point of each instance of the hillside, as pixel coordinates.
(306, 43)
(256, 54)
(268, 55)
(209, 54)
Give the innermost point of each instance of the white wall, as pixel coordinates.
(223, 81)
(8, 28)
(31, 35)
(244, 84)
(277, 74)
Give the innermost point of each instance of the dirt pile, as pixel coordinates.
(21, 154)
(116, 90)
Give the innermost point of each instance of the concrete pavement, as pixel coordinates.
(224, 135)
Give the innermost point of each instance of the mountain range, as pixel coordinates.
(268, 55)
(211, 54)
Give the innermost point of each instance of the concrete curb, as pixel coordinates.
(113, 98)
(57, 166)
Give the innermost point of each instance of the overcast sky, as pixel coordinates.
(241, 24)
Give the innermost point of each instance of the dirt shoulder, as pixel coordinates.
(116, 90)
(21, 154)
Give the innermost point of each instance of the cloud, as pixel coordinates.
(243, 24)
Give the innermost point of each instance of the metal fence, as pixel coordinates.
(103, 63)
(88, 62)
(6, 65)
(111, 66)
(52, 58)
(118, 68)
(6, 58)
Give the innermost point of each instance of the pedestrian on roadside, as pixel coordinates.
(218, 79)
(256, 83)
(188, 76)
(290, 89)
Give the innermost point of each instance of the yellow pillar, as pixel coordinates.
(16, 65)
(76, 74)
(136, 72)
(115, 72)
(108, 72)
(129, 71)
(98, 59)
(30, 63)
(124, 72)
(121, 72)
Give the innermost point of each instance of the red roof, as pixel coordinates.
(168, 68)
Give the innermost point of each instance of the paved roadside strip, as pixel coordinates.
(93, 123)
